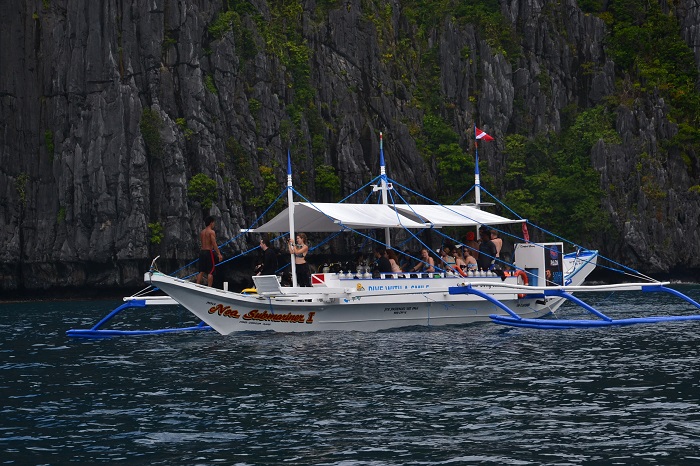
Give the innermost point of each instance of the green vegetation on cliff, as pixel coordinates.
(202, 189)
(550, 180)
(155, 233)
(150, 125)
(646, 44)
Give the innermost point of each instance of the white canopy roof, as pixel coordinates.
(333, 216)
(330, 217)
(452, 215)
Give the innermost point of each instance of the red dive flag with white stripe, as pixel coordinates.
(480, 135)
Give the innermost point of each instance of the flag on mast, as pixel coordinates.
(480, 135)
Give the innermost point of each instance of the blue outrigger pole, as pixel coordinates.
(138, 302)
(513, 319)
(97, 331)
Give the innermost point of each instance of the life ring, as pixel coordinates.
(522, 277)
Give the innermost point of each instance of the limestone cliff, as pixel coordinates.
(109, 109)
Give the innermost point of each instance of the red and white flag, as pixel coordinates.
(480, 135)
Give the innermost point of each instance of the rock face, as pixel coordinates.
(108, 109)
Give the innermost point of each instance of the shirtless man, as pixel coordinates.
(498, 242)
(206, 254)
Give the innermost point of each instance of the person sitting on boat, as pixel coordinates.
(460, 265)
(300, 249)
(394, 261)
(427, 264)
(487, 250)
(449, 256)
(269, 265)
(382, 263)
(447, 259)
(406, 261)
(469, 259)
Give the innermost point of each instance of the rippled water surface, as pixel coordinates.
(458, 395)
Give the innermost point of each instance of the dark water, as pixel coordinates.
(459, 395)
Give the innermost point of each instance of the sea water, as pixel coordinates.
(452, 395)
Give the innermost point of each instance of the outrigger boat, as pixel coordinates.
(543, 277)
(338, 301)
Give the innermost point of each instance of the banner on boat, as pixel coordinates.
(553, 270)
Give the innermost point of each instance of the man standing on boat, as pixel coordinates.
(487, 250)
(269, 265)
(498, 242)
(207, 263)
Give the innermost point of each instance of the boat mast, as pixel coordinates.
(477, 181)
(290, 203)
(382, 175)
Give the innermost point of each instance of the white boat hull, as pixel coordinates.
(355, 304)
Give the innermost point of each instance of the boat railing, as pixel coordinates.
(414, 275)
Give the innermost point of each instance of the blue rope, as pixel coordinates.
(463, 195)
(577, 246)
(359, 189)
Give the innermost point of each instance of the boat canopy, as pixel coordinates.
(452, 215)
(330, 217)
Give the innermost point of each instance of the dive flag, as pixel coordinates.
(481, 135)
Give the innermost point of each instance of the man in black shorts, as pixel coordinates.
(206, 254)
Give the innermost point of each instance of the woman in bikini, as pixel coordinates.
(460, 265)
(470, 260)
(300, 249)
